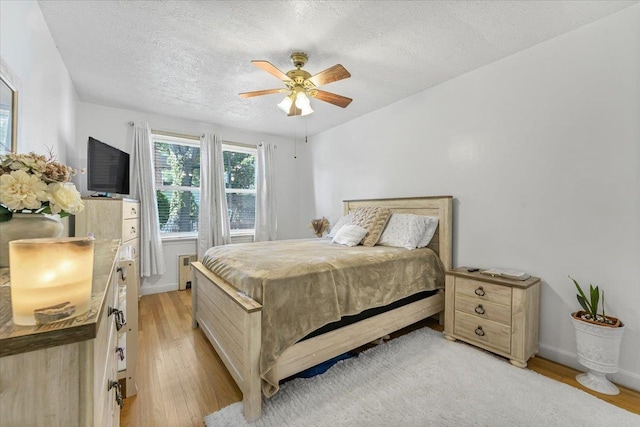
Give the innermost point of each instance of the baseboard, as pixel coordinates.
(622, 377)
(149, 290)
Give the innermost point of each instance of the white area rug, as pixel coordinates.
(421, 379)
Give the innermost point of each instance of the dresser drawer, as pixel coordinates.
(130, 210)
(130, 229)
(484, 309)
(492, 334)
(483, 291)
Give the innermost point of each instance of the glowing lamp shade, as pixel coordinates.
(285, 104)
(50, 279)
(303, 103)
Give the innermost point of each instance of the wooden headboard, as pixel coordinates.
(440, 206)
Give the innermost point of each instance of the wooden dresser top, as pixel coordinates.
(16, 339)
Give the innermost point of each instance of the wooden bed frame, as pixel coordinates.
(232, 321)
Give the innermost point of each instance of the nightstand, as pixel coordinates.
(494, 313)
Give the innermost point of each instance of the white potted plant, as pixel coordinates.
(598, 339)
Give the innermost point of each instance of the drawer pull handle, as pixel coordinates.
(133, 211)
(133, 230)
(119, 317)
(480, 292)
(479, 331)
(479, 309)
(116, 385)
(123, 273)
(120, 353)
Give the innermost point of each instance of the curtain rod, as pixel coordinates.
(174, 134)
(186, 136)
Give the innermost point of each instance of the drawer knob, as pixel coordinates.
(479, 309)
(479, 331)
(480, 292)
(119, 317)
(116, 385)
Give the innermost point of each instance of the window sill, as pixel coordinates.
(179, 237)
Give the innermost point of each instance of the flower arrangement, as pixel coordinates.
(33, 183)
(320, 225)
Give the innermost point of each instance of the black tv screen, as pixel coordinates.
(107, 168)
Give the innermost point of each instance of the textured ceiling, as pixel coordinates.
(190, 59)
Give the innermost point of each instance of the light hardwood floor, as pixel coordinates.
(181, 379)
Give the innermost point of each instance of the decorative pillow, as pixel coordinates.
(428, 234)
(350, 235)
(373, 219)
(344, 220)
(404, 231)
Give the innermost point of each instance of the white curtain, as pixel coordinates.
(144, 189)
(266, 221)
(213, 220)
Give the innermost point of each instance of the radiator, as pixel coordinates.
(184, 271)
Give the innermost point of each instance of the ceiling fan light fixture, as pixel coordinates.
(303, 103)
(285, 104)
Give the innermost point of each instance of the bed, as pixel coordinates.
(236, 324)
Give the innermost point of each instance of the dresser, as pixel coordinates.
(111, 218)
(64, 373)
(497, 314)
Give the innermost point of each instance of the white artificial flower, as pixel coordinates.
(20, 190)
(63, 196)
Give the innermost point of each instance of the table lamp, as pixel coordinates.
(51, 279)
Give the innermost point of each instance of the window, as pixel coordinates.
(240, 185)
(177, 169)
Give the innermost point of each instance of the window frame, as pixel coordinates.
(159, 137)
(185, 140)
(247, 149)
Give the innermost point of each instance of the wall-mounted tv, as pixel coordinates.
(107, 168)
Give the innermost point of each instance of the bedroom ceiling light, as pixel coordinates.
(297, 103)
(301, 85)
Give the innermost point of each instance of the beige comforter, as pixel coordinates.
(306, 284)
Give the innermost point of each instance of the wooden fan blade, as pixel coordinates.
(261, 92)
(330, 75)
(332, 98)
(271, 69)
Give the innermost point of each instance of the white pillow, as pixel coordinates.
(344, 220)
(404, 231)
(431, 230)
(350, 235)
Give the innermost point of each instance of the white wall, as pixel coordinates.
(541, 151)
(110, 125)
(47, 100)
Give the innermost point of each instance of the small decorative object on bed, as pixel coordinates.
(264, 306)
(598, 339)
(320, 225)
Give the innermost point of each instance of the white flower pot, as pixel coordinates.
(598, 350)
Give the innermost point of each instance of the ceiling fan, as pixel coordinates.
(301, 85)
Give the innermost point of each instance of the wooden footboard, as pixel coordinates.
(232, 322)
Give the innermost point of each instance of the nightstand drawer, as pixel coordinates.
(483, 309)
(483, 331)
(483, 291)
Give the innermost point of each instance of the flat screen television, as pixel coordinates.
(107, 168)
